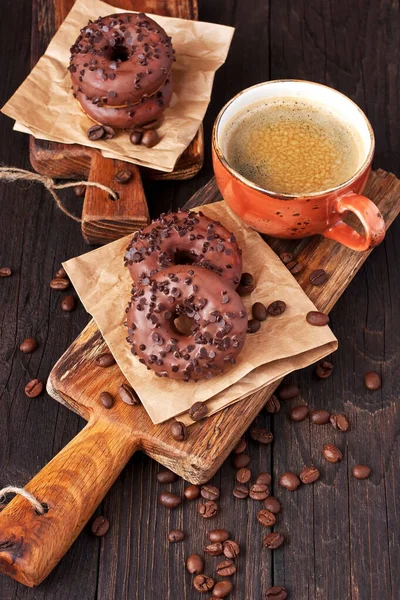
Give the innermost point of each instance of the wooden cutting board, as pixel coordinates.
(74, 482)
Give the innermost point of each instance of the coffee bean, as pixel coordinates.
(259, 311)
(68, 303)
(240, 492)
(264, 479)
(231, 549)
(286, 257)
(28, 346)
(194, 564)
(109, 132)
(100, 526)
(340, 422)
(135, 137)
(169, 500)
(80, 191)
(226, 568)
(128, 395)
(259, 491)
(123, 176)
(295, 267)
(273, 405)
(361, 471)
(276, 308)
(150, 138)
(105, 360)
(309, 475)
(192, 492)
(222, 589)
(287, 391)
(253, 325)
(273, 540)
(106, 399)
(332, 453)
(179, 431)
(324, 369)
(197, 411)
(299, 413)
(209, 492)
(317, 318)
(319, 417)
(277, 592)
(61, 273)
(266, 517)
(176, 535)
(209, 509)
(240, 461)
(166, 476)
(272, 504)
(318, 277)
(59, 283)
(202, 583)
(289, 481)
(246, 279)
(218, 535)
(372, 381)
(261, 435)
(241, 447)
(5, 272)
(34, 388)
(214, 549)
(95, 133)
(243, 475)
(245, 290)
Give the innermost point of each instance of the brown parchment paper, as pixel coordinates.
(44, 106)
(282, 344)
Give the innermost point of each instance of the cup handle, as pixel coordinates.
(370, 217)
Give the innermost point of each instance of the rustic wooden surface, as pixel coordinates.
(343, 538)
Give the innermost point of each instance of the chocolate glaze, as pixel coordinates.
(184, 238)
(217, 316)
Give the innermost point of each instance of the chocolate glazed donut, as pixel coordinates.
(216, 324)
(184, 238)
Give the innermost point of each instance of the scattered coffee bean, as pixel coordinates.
(372, 381)
(295, 267)
(209, 509)
(309, 475)
(28, 346)
(261, 435)
(245, 290)
(318, 277)
(259, 311)
(96, 133)
(299, 413)
(209, 492)
(218, 535)
(202, 583)
(107, 399)
(246, 279)
(289, 481)
(286, 257)
(266, 517)
(319, 319)
(222, 589)
(105, 360)
(340, 422)
(226, 568)
(332, 453)
(324, 369)
(241, 447)
(80, 191)
(150, 138)
(176, 535)
(197, 411)
(264, 479)
(179, 431)
(288, 391)
(194, 564)
(273, 405)
(192, 492)
(240, 461)
(109, 132)
(273, 540)
(277, 592)
(169, 500)
(272, 504)
(100, 526)
(259, 491)
(231, 549)
(5, 272)
(166, 476)
(319, 417)
(34, 388)
(68, 303)
(240, 491)
(253, 325)
(276, 308)
(61, 273)
(243, 475)
(135, 137)
(214, 549)
(128, 395)
(123, 176)
(361, 471)
(60, 283)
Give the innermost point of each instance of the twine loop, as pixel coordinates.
(11, 489)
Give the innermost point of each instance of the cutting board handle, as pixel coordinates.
(72, 485)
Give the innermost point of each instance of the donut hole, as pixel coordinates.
(183, 324)
(184, 257)
(120, 53)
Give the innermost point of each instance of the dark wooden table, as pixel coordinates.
(342, 534)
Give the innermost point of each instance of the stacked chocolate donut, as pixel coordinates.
(120, 68)
(185, 266)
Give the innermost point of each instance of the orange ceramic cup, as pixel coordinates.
(294, 216)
